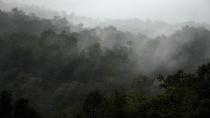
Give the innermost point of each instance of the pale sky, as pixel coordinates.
(166, 10)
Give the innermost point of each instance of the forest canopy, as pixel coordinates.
(50, 68)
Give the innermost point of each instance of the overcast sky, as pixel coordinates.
(166, 10)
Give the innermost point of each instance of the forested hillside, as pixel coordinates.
(50, 68)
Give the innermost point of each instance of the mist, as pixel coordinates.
(104, 59)
(171, 11)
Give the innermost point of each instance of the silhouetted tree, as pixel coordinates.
(93, 104)
(119, 105)
(5, 105)
(24, 110)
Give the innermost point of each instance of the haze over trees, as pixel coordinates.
(53, 68)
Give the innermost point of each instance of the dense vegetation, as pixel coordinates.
(49, 69)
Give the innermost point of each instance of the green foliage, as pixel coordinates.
(186, 95)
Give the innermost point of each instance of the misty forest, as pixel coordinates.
(59, 65)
